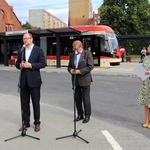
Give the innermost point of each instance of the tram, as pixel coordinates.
(99, 39)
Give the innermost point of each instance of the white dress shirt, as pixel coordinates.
(78, 58)
(28, 52)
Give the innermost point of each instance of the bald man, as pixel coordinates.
(30, 60)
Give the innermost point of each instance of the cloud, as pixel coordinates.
(21, 9)
(61, 14)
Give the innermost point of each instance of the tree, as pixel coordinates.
(126, 16)
(27, 25)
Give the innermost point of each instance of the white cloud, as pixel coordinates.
(58, 11)
(61, 14)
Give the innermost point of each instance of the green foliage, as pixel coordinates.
(126, 16)
(27, 25)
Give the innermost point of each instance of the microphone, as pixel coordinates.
(22, 51)
(22, 48)
(76, 52)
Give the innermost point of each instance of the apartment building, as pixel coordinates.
(95, 19)
(8, 19)
(42, 19)
(80, 12)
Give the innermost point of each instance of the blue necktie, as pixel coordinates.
(75, 60)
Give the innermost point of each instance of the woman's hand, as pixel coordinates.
(140, 78)
(147, 72)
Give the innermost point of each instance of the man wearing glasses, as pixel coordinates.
(30, 60)
(80, 66)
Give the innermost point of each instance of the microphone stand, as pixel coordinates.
(23, 133)
(75, 133)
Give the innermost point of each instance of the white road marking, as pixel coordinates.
(111, 140)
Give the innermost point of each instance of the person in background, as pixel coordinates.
(148, 49)
(30, 60)
(80, 66)
(143, 54)
(144, 94)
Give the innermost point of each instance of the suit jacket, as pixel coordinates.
(85, 66)
(31, 76)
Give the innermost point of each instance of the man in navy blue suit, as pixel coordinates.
(30, 60)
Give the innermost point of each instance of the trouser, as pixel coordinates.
(82, 95)
(34, 93)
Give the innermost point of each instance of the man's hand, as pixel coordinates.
(72, 71)
(25, 64)
(77, 72)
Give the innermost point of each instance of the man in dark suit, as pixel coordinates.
(80, 66)
(30, 60)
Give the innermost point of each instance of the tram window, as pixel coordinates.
(104, 45)
(87, 44)
(66, 51)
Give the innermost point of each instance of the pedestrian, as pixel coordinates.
(144, 95)
(143, 54)
(148, 48)
(80, 66)
(30, 60)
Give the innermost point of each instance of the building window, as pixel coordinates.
(3, 13)
(10, 28)
(6, 28)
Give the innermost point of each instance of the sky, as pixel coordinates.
(58, 8)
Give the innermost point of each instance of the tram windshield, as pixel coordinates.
(113, 41)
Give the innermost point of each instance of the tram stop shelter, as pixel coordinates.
(40, 39)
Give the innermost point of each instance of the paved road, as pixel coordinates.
(111, 126)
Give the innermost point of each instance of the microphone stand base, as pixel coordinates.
(23, 134)
(75, 134)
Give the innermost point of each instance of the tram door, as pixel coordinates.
(92, 44)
